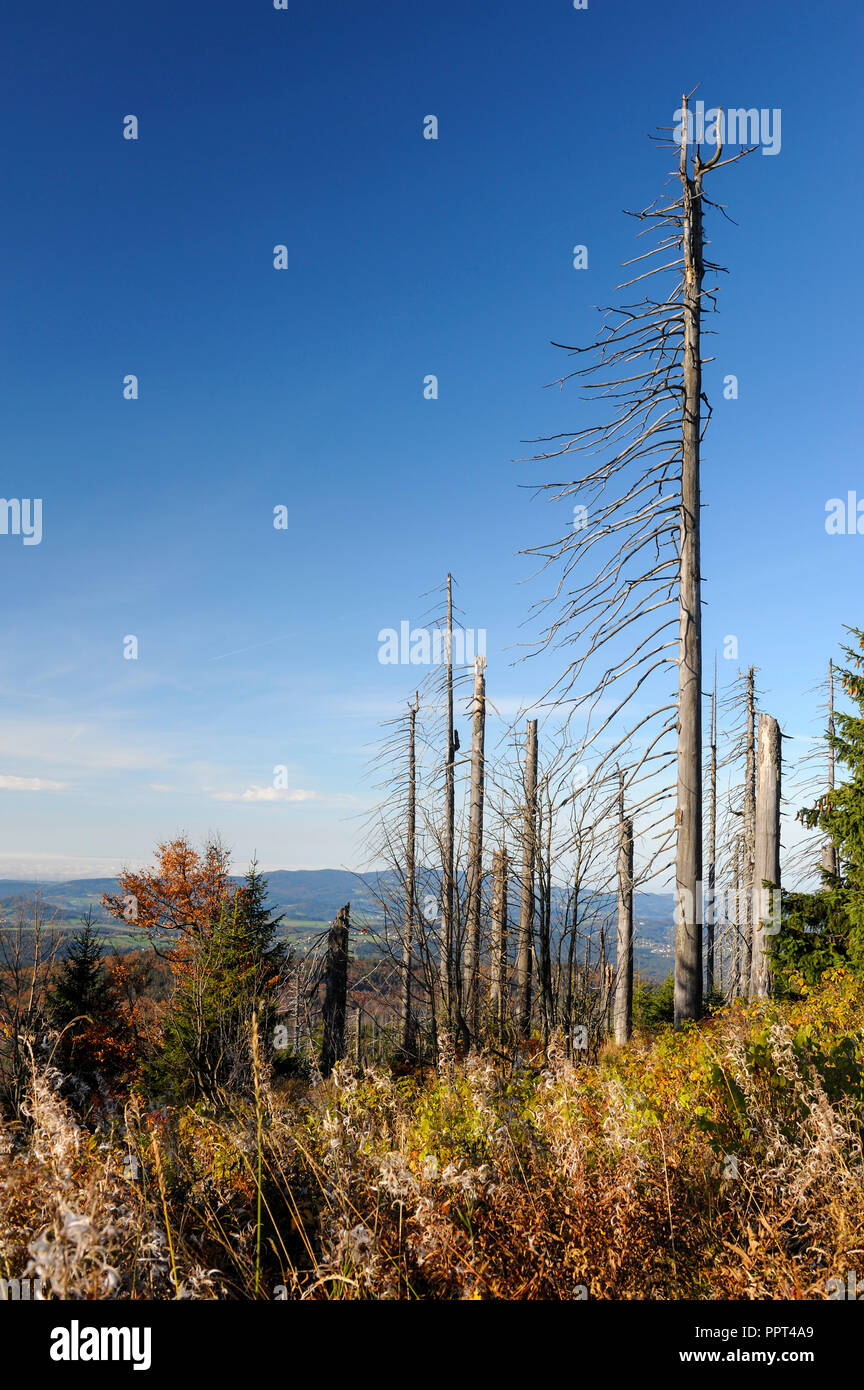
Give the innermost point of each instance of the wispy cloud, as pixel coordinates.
(30, 784)
(255, 793)
(267, 794)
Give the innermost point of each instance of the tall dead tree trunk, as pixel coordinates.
(748, 867)
(544, 919)
(688, 861)
(448, 881)
(525, 958)
(406, 1020)
(624, 962)
(297, 1011)
(470, 982)
(567, 1020)
(711, 920)
(335, 992)
(647, 358)
(606, 1006)
(735, 977)
(767, 857)
(498, 944)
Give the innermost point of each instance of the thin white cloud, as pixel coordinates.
(89, 747)
(297, 794)
(254, 793)
(30, 784)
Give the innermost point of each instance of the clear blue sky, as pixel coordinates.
(304, 387)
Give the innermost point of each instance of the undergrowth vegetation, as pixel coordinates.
(720, 1161)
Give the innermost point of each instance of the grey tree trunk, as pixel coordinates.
(498, 943)
(711, 920)
(335, 992)
(735, 980)
(623, 1011)
(544, 916)
(524, 963)
(688, 861)
(606, 1006)
(406, 1020)
(767, 869)
(470, 982)
(297, 1013)
(748, 867)
(448, 882)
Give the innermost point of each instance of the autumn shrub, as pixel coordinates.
(723, 1160)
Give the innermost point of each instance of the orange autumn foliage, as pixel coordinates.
(178, 898)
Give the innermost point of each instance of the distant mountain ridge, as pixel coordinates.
(315, 896)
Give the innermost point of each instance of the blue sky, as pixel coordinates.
(304, 387)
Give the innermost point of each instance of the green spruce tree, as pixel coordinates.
(83, 1000)
(826, 929)
(232, 973)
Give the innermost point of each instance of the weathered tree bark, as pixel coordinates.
(711, 920)
(567, 1020)
(688, 862)
(498, 944)
(767, 869)
(525, 957)
(335, 992)
(297, 1009)
(448, 881)
(608, 983)
(735, 972)
(544, 917)
(748, 867)
(624, 962)
(406, 1021)
(470, 981)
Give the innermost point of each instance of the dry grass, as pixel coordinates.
(724, 1161)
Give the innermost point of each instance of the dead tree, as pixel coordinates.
(638, 517)
(297, 1015)
(406, 1019)
(749, 865)
(767, 853)
(740, 704)
(395, 839)
(498, 942)
(624, 960)
(711, 919)
(735, 972)
(470, 982)
(448, 964)
(525, 956)
(688, 864)
(335, 992)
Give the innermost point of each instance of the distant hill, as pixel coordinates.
(309, 899)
